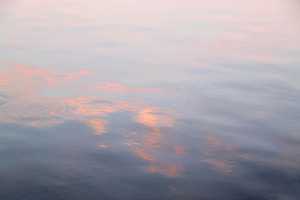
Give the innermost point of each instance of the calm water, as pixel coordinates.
(149, 99)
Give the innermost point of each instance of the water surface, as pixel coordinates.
(157, 100)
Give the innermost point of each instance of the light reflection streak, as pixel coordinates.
(155, 140)
(180, 150)
(220, 154)
(25, 81)
(123, 89)
(153, 117)
(32, 110)
(28, 79)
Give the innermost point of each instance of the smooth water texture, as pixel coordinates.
(149, 99)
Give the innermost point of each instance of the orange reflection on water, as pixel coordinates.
(86, 106)
(220, 155)
(29, 109)
(25, 107)
(160, 166)
(98, 125)
(144, 155)
(154, 117)
(29, 79)
(154, 142)
(32, 110)
(25, 81)
(119, 88)
(153, 139)
(110, 87)
(168, 170)
(180, 150)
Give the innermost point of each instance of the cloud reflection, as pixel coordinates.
(110, 87)
(25, 107)
(22, 105)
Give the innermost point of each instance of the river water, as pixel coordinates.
(149, 100)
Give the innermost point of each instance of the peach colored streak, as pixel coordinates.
(98, 125)
(119, 88)
(221, 155)
(152, 142)
(154, 117)
(110, 87)
(179, 150)
(168, 170)
(29, 79)
(26, 81)
(222, 161)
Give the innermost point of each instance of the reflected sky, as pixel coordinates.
(149, 99)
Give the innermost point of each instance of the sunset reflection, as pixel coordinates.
(221, 155)
(32, 110)
(153, 117)
(36, 111)
(155, 140)
(109, 87)
(28, 79)
(149, 99)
